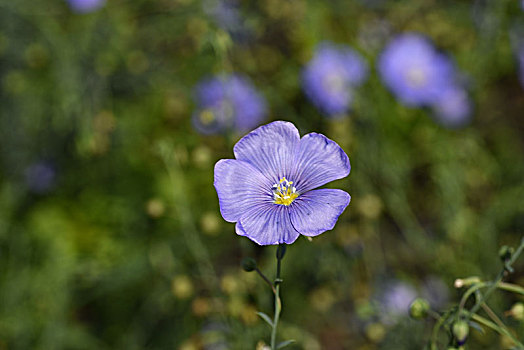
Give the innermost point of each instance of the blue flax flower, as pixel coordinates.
(331, 76)
(414, 71)
(452, 108)
(85, 6)
(269, 189)
(227, 102)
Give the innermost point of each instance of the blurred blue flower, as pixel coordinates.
(40, 177)
(227, 102)
(414, 71)
(85, 6)
(395, 301)
(452, 108)
(269, 189)
(331, 75)
(226, 14)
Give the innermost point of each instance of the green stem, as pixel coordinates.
(497, 329)
(497, 281)
(511, 288)
(278, 303)
(500, 285)
(266, 279)
(434, 334)
(278, 307)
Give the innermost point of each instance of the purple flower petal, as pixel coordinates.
(239, 186)
(267, 224)
(318, 161)
(317, 211)
(239, 229)
(270, 148)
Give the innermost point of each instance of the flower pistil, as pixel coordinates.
(284, 192)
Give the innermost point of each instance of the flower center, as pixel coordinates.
(284, 192)
(222, 113)
(416, 77)
(334, 83)
(207, 116)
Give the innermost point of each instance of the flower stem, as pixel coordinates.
(278, 303)
(496, 328)
(266, 279)
(499, 278)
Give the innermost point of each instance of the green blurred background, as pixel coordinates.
(110, 231)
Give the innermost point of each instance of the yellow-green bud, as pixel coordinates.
(460, 331)
(419, 308)
(466, 282)
(517, 311)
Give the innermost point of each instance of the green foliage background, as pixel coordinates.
(128, 250)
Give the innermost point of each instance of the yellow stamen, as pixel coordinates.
(284, 193)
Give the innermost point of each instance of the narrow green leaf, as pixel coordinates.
(265, 318)
(285, 343)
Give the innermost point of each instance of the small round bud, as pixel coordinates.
(460, 331)
(505, 253)
(466, 282)
(249, 264)
(419, 308)
(517, 311)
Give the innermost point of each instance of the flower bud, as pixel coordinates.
(249, 264)
(419, 308)
(517, 311)
(460, 331)
(466, 282)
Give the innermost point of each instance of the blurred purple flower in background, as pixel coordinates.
(395, 301)
(226, 15)
(40, 177)
(452, 107)
(413, 70)
(227, 102)
(269, 189)
(419, 75)
(85, 6)
(331, 75)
